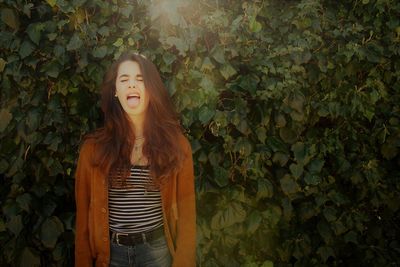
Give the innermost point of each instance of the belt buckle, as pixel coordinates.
(117, 237)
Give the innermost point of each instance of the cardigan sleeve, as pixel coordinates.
(185, 254)
(83, 257)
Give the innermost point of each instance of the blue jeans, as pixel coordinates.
(153, 253)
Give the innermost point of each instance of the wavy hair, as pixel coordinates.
(162, 130)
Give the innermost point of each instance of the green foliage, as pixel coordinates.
(292, 108)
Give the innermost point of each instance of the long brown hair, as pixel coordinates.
(162, 130)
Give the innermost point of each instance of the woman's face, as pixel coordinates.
(130, 89)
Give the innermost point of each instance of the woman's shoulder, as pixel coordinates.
(87, 144)
(185, 143)
(91, 139)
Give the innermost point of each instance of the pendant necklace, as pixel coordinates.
(137, 154)
(137, 151)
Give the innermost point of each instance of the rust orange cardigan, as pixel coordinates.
(92, 241)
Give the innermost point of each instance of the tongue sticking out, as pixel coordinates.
(133, 101)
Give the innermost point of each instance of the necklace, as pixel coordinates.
(137, 154)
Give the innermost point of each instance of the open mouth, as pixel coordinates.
(133, 100)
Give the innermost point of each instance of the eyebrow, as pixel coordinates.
(123, 76)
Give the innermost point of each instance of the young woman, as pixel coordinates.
(134, 180)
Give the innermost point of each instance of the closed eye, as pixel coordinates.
(123, 78)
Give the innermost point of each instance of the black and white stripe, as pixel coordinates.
(133, 208)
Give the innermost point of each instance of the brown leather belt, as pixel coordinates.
(137, 238)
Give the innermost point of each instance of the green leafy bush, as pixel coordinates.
(292, 108)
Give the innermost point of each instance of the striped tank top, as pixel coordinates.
(133, 208)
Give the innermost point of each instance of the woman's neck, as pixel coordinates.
(137, 123)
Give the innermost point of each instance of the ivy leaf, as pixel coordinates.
(249, 83)
(52, 140)
(311, 179)
(325, 253)
(5, 118)
(296, 102)
(10, 209)
(119, 42)
(206, 114)
(27, 9)
(288, 185)
(265, 189)
(238, 193)
(272, 215)
(287, 209)
(9, 17)
(325, 231)
(388, 150)
(227, 71)
(52, 69)
(15, 224)
(253, 222)
(206, 83)
(296, 169)
(280, 121)
(29, 258)
(126, 10)
(24, 201)
(218, 54)
(169, 58)
(179, 44)
(50, 230)
(2, 64)
(47, 207)
(68, 219)
(287, 135)
(338, 227)
(33, 119)
(229, 240)
(261, 134)
(74, 43)
(351, 236)
(34, 32)
(26, 49)
(104, 31)
(280, 158)
(52, 3)
(3, 166)
(59, 51)
(207, 65)
(171, 86)
(221, 176)
(55, 168)
(59, 252)
(316, 165)
(227, 216)
(329, 214)
(100, 52)
(254, 25)
(243, 146)
(276, 144)
(299, 151)
(267, 263)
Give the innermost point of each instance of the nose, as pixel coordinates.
(132, 83)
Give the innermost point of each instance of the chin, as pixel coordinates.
(135, 112)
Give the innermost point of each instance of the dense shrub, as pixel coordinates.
(292, 109)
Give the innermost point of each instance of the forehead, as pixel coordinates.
(128, 67)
